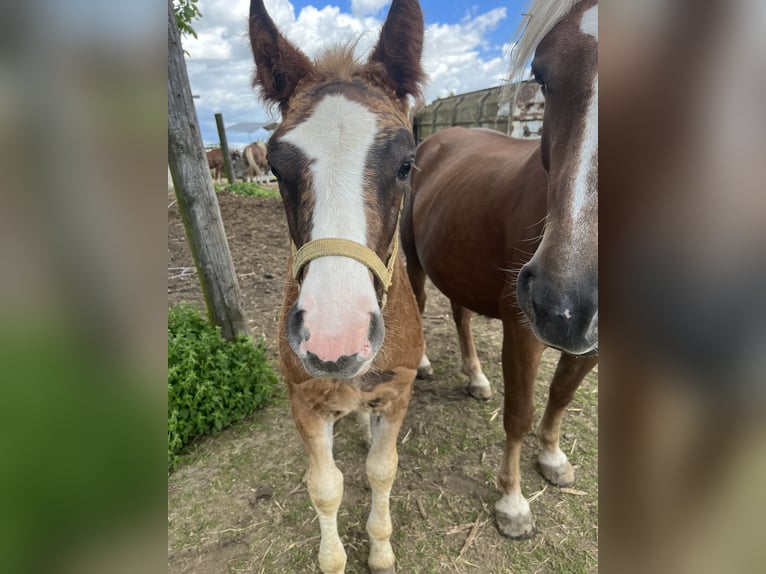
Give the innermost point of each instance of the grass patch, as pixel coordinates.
(248, 189)
(211, 382)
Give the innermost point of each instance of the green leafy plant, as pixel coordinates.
(186, 12)
(251, 190)
(211, 382)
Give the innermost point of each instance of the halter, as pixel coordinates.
(335, 246)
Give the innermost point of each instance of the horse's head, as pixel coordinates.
(342, 156)
(558, 288)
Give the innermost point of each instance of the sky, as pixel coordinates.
(466, 45)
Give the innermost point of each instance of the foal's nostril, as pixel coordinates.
(376, 333)
(296, 330)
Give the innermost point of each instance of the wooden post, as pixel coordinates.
(196, 197)
(224, 147)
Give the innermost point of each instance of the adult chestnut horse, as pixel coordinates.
(351, 336)
(480, 202)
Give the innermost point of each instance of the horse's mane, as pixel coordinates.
(537, 21)
(340, 61)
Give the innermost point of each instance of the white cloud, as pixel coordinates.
(212, 45)
(221, 66)
(452, 56)
(364, 7)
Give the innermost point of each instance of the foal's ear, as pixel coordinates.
(279, 65)
(400, 47)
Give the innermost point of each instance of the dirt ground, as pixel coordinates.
(237, 502)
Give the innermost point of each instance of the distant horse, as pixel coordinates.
(350, 334)
(256, 164)
(479, 205)
(216, 164)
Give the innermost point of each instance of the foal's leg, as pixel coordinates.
(382, 461)
(553, 463)
(478, 387)
(521, 357)
(325, 485)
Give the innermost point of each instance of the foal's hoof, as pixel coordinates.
(425, 373)
(518, 527)
(482, 393)
(557, 475)
(389, 570)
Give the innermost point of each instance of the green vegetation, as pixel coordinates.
(211, 382)
(248, 190)
(186, 12)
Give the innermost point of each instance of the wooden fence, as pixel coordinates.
(487, 109)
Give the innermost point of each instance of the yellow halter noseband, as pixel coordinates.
(334, 246)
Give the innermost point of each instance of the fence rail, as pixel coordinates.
(486, 109)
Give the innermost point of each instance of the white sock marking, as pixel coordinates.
(513, 504)
(554, 459)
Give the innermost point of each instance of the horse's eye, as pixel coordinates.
(404, 170)
(539, 79)
(275, 172)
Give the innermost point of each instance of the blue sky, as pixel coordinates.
(465, 49)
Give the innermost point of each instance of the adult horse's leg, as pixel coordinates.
(325, 484)
(382, 462)
(478, 387)
(553, 463)
(521, 358)
(416, 276)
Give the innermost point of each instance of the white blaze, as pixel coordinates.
(589, 22)
(336, 139)
(588, 148)
(587, 156)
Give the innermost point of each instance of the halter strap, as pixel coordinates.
(334, 246)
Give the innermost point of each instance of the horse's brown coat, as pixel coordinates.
(477, 212)
(474, 217)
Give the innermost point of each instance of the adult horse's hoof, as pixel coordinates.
(482, 393)
(518, 527)
(557, 475)
(514, 519)
(425, 373)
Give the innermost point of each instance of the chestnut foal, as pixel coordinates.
(350, 332)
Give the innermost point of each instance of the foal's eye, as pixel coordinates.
(275, 172)
(404, 170)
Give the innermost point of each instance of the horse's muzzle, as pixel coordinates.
(562, 314)
(344, 354)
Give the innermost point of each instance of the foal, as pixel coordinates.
(350, 333)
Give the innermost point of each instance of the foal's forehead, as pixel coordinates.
(338, 132)
(342, 104)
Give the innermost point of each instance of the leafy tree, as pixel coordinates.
(186, 11)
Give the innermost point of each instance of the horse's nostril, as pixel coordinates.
(297, 333)
(376, 333)
(526, 276)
